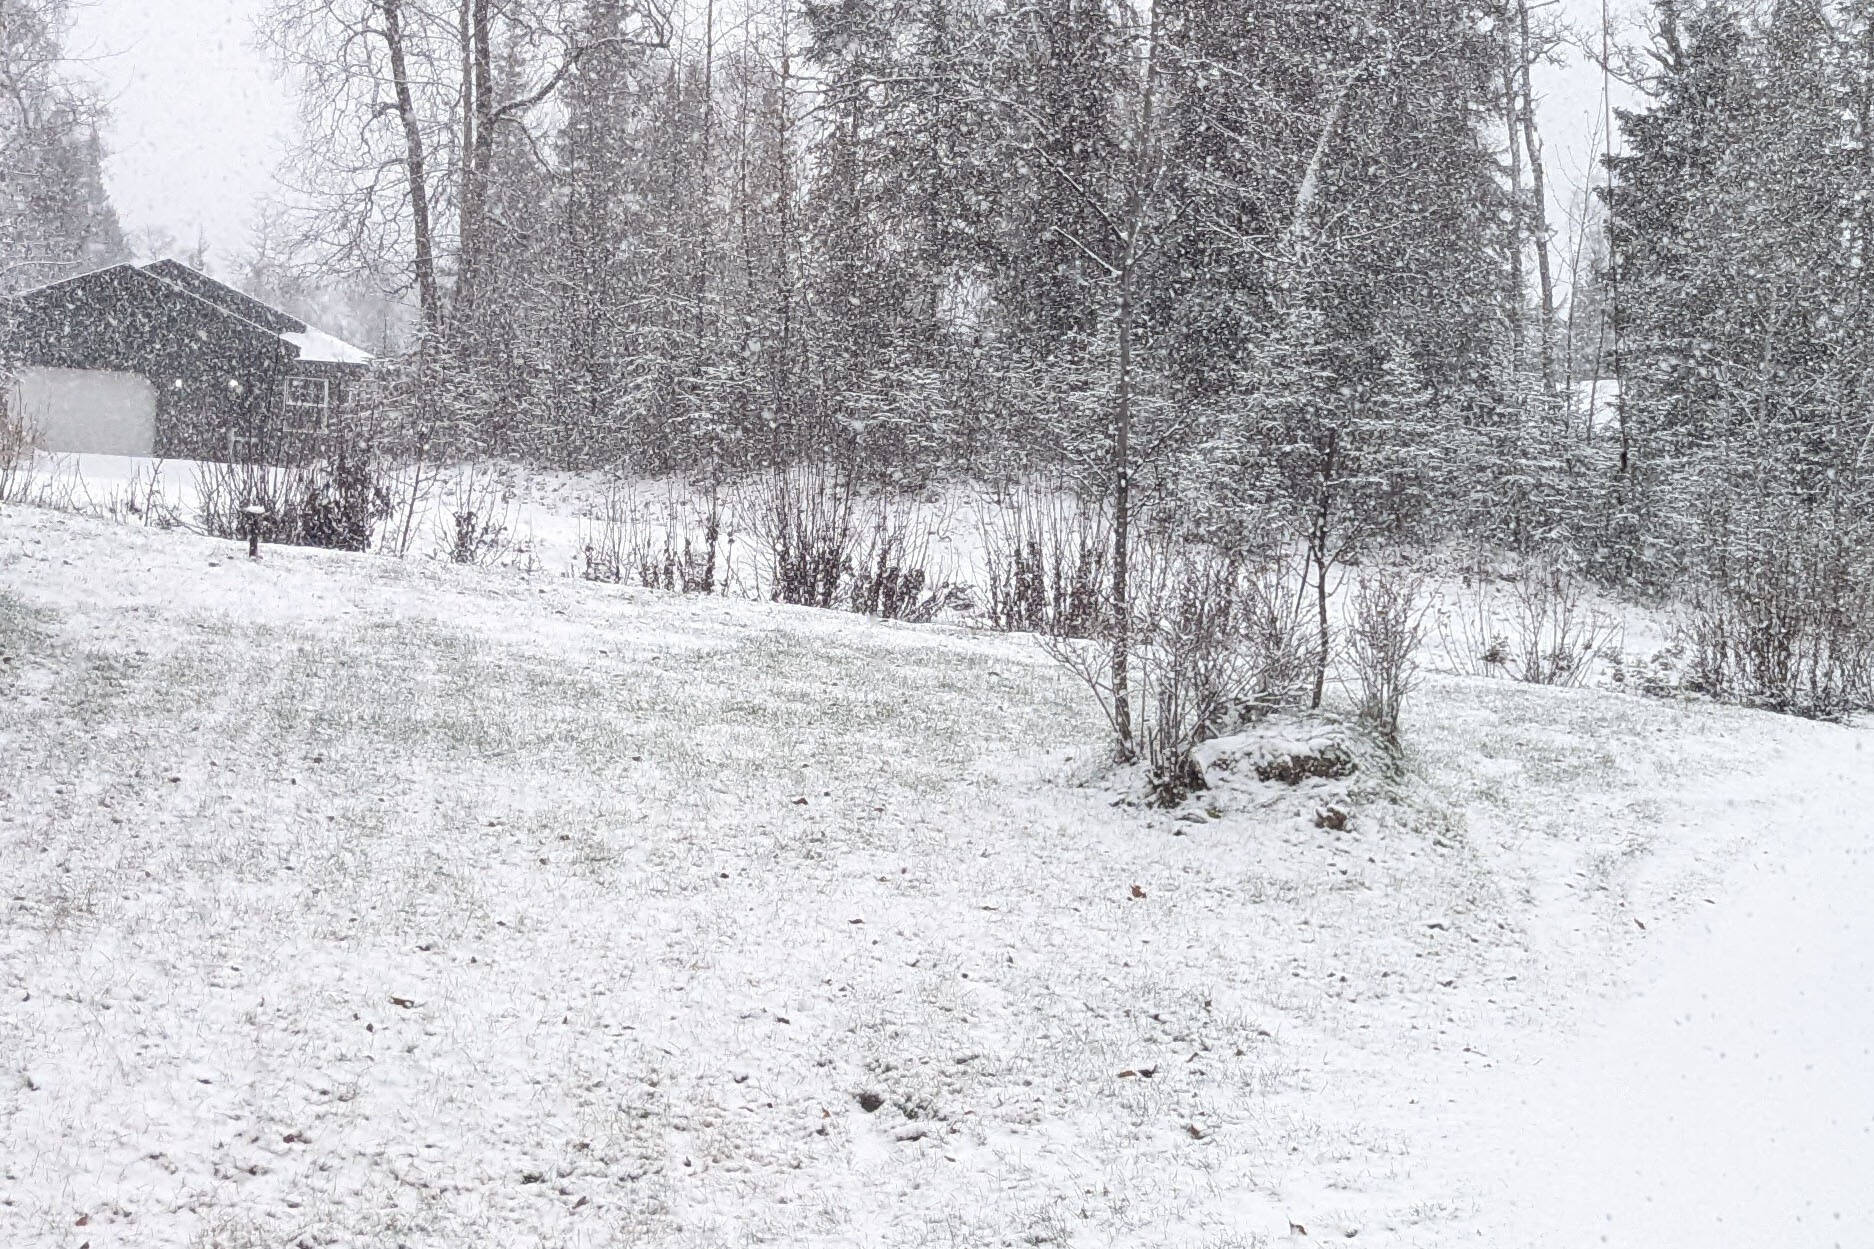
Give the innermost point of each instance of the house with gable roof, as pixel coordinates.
(162, 360)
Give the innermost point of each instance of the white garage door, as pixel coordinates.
(89, 412)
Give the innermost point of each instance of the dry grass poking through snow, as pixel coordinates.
(351, 902)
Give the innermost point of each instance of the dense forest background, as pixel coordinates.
(1297, 249)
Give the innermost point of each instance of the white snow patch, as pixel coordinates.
(317, 346)
(1727, 1096)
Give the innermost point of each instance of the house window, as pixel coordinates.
(308, 405)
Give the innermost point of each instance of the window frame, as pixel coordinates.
(293, 411)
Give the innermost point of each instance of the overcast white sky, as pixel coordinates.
(200, 123)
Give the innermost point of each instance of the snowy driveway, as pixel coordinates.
(1729, 1100)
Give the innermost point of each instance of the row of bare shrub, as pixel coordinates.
(337, 503)
(668, 544)
(1047, 563)
(353, 500)
(813, 538)
(1776, 611)
(822, 541)
(59, 486)
(1536, 622)
(1783, 618)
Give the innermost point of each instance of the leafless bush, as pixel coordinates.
(53, 483)
(894, 574)
(144, 500)
(1216, 641)
(1542, 629)
(411, 486)
(1469, 633)
(685, 550)
(336, 503)
(1789, 628)
(1385, 629)
(1557, 633)
(686, 561)
(1194, 659)
(607, 537)
(475, 525)
(59, 487)
(805, 518)
(17, 448)
(1275, 589)
(223, 490)
(1047, 560)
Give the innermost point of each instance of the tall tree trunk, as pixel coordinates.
(1613, 313)
(1539, 224)
(465, 35)
(479, 93)
(414, 168)
(1518, 282)
(1319, 535)
(1140, 177)
(699, 282)
(1301, 239)
(784, 193)
(1122, 522)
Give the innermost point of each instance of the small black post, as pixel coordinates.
(251, 522)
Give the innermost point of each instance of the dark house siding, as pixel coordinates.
(219, 365)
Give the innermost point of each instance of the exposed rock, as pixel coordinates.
(1287, 752)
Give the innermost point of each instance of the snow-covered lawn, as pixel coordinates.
(1730, 1101)
(353, 901)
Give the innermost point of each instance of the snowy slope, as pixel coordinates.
(1730, 1100)
(354, 901)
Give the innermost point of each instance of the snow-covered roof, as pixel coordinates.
(314, 345)
(311, 345)
(317, 345)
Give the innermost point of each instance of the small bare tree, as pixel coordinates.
(1216, 641)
